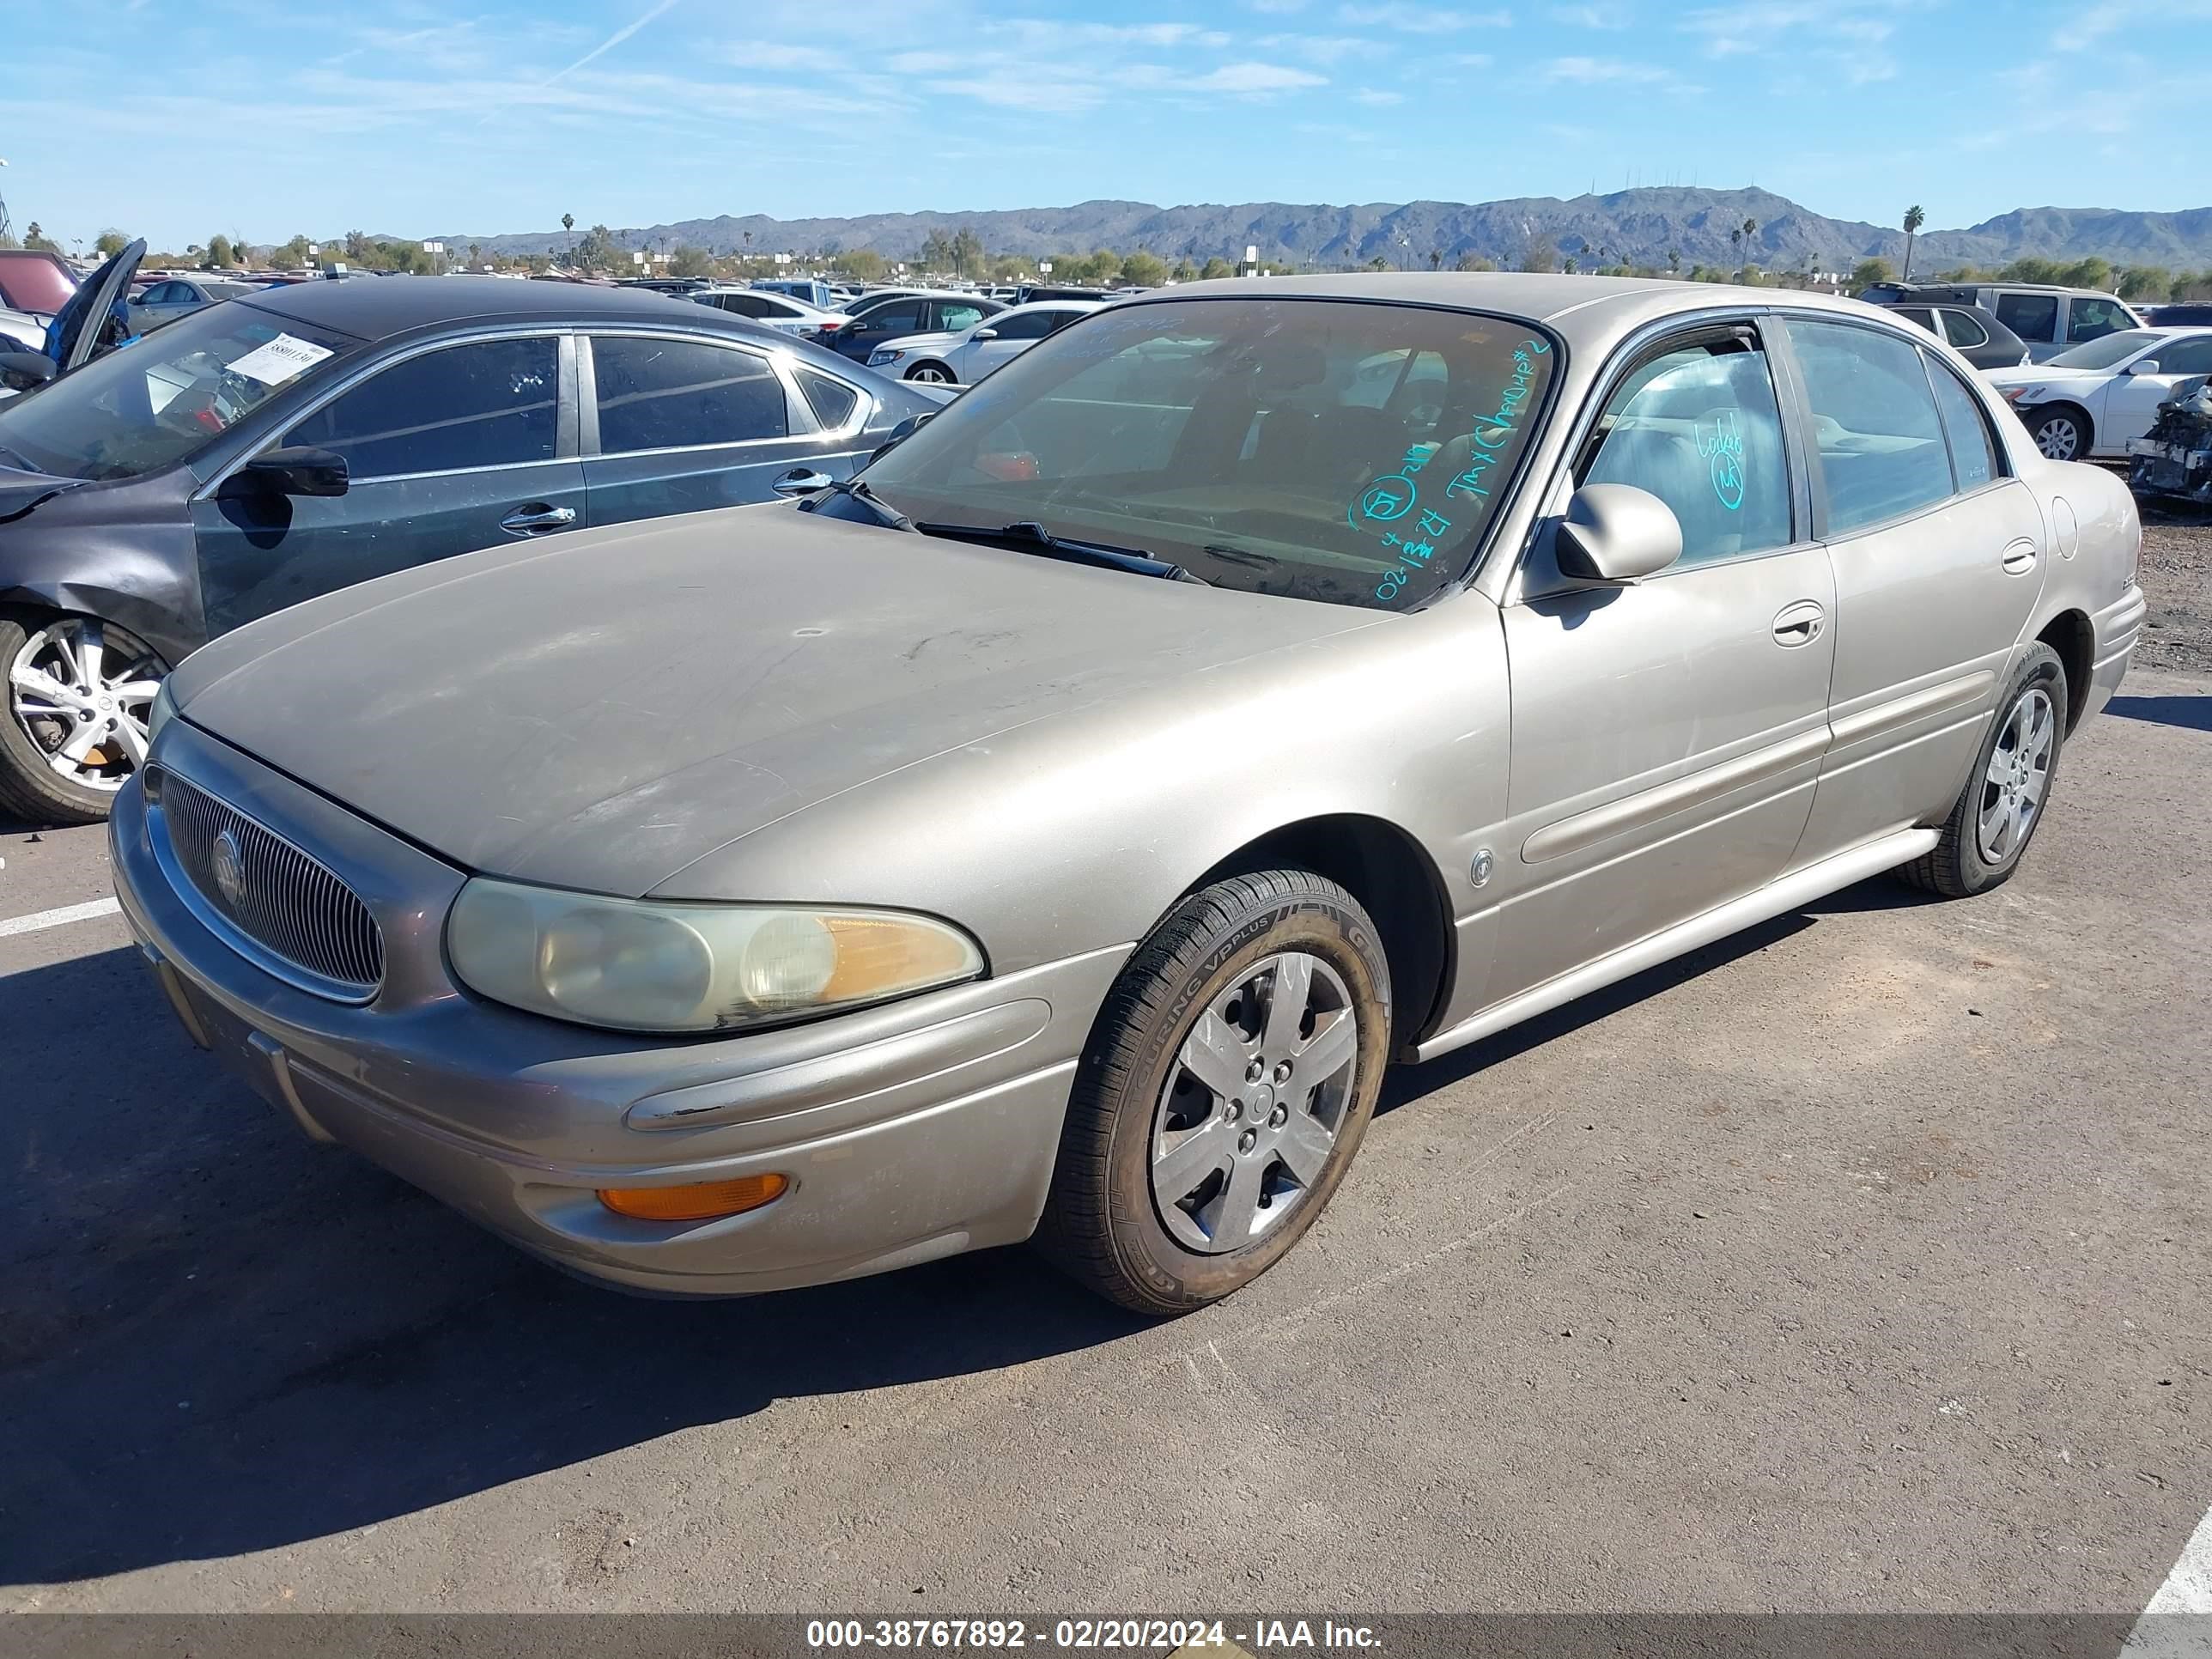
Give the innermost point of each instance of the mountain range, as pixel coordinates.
(1635, 226)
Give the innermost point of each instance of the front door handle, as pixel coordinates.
(1800, 623)
(2019, 557)
(804, 482)
(536, 517)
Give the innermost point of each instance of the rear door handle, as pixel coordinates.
(1800, 623)
(2019, 557)
(536, 517)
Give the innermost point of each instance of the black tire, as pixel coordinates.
(948, 377)
(2051, 427)
(1102, 1224)
(1959, 867)
(31, 790)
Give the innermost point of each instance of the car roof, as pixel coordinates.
(377, 310)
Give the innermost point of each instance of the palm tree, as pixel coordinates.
(1673, 262)
(1914, 218)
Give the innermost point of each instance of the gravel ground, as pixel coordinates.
(2177, 579)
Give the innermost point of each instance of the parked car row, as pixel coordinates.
(1057, 830)
(2047, 318)
(258, 451)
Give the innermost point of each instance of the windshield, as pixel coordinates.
(1319, 449)
(2104, 353)
(150, 406)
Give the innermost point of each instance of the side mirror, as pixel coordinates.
(2143, 366)
(905, 429)
(21, 370)
(300, 470)
(1616, 534)
(981, 334)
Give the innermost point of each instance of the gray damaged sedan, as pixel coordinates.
(1057, 832)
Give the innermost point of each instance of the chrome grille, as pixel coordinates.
(284, 900)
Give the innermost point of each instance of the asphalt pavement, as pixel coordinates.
(1855, 1263)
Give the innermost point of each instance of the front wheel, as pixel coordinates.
(79, 694)
(1232, 1072)
(1999, 809)
(932, 374)
(2060, 434)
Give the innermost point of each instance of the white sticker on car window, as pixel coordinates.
(278, 360)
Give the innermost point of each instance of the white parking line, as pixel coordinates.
(61, 918)
(2187, 1590)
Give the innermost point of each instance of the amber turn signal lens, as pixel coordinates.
(704, 1201)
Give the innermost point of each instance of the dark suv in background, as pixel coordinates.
(2048, 319)
(1980, 337)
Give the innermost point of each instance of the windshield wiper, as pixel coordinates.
(1027, 535)
(857, 489)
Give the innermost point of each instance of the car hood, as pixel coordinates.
(599, 711)
(2029, 374)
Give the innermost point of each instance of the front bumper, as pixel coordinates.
(914, 1130)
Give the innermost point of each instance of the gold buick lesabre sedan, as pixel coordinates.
(1057, 831)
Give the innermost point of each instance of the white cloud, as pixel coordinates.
(1377, 98)
(1421, 19)
(1255, 78)
(1845, 36)
(1323, 48)
(1604, 16)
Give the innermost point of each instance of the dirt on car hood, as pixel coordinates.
(599, 710)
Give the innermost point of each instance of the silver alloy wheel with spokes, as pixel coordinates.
(1250, 1110)
(84, 707)
(931, 375)
(2019, 772)
(2058, 438)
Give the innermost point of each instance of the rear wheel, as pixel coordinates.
(1232, 1074)
(79, 693)
(2060, 434)
(1998, 810)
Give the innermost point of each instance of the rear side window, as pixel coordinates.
(1876, 432)
(677, 394)
(2189, 355)
(1974, 452)
(1698, 426)
(831, 400)
(1918, 315)
(494, 402)
(1963, 332)
(2031, 316)
(2093, 319)
(1030, 325)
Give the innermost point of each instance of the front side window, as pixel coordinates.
(951, 316)
(1029, 325)
(2189, 356)
(1963, 331)
(1876, 436)
(490, 403)
(159, 402)
(2031, 316)
(1973, 451)
(2108, 352)
(1242, 440)
(2093, 319)
(1697, 425)
(903, 318)
(678, 394)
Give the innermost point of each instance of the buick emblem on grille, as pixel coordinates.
(228, 868)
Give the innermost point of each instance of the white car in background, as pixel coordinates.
(771, 310)
(2092, 399)
(962, 359)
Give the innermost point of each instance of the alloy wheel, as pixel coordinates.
(2017, 773)
(2057, 439)
(930, 374)
(1249, 1117)
(82, 702)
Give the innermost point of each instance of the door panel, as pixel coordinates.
(1666, 743)
(1929, 603)
(445, 447)
(259, 552)
(1668, 735)
(660, 405)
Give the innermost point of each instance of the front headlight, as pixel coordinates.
(2013, 394)
(884, 355)
(639, 965)
(158, 715)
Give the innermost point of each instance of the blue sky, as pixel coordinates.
(178, 118)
